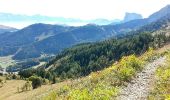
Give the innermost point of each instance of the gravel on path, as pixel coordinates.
(139, 87)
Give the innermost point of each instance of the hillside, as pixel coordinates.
(107, 84)
(100, 70)
(83, 59)
(157, 15)
(38, 39)
(9, 90)
(101, 84)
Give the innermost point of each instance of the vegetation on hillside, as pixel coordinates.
(83, 59)
(105, 84)
(22, 65)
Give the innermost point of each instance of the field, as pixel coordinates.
(6, 61)
(9, 90)
(41, 63)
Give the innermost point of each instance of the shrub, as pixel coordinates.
(25, 87)
(36, 81)
(14, 76)
(54, 80)
(128, 67)
(51, 96)
(1, 82)
(45, 81)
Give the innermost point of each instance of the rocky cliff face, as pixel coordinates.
(132, 16)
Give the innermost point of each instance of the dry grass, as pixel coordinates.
(9, 90)
(164, 48)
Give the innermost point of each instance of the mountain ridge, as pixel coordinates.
(30, 40)
(4, 29)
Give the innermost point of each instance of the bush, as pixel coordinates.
(128, 67)
(54, 80)
(45, 81)
(36, 81)
(1, 82)
(14, 76)
(25, 87)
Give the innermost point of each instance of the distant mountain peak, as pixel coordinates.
(6, 27)
(132, 16)
(91, 24)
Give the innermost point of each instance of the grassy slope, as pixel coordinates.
(95, 85)
(103, 84)
(9, 91)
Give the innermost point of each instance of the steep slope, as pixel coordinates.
(86, 58)
(162, 12)
(106, 84)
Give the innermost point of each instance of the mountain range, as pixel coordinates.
(15, 18)
(8, 18)
(83, 59)
(38, 39)
(4, 29)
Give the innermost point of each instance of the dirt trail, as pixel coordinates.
(139, 88)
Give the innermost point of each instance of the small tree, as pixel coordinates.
(54, 80)
(14, 76)
(25, 87)
(36, 81)
(1, 82)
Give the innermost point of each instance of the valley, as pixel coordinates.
(123, 60)
(6, 61)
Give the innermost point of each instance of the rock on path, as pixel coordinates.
(139, 88)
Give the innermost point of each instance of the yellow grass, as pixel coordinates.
(164, 48)
(9, 90)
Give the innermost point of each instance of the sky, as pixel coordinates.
(82, 9)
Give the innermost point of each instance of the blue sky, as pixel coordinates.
(83, 9)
